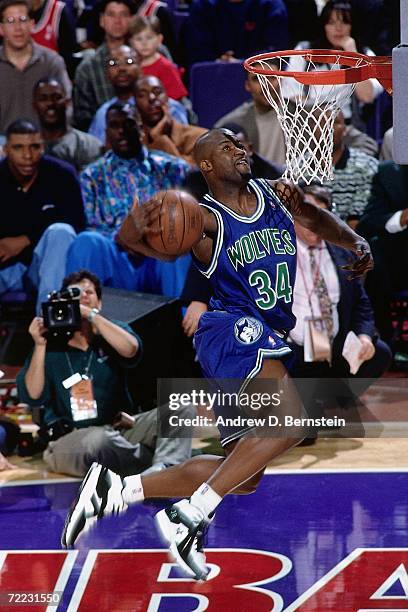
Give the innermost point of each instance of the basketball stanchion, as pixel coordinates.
(307, 100)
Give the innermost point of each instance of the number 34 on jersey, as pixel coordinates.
(256, 246)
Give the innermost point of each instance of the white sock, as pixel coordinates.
(206, 499)
(133, 489)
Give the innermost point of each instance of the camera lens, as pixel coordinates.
(60, 313)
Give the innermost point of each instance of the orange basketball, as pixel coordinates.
(181, 223)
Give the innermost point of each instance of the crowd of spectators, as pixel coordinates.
(95, 117)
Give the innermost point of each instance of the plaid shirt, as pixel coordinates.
(92, 87)
(110, 184)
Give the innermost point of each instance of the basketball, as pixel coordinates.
(180, 223)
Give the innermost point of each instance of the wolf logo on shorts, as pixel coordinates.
(247, 330)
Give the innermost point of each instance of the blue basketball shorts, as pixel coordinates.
(231, 348)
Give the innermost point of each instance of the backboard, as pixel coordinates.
(400, 91)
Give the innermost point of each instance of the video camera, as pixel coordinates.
(62, 315)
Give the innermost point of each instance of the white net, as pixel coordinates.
(306, 114)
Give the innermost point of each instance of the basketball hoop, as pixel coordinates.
(307, 100)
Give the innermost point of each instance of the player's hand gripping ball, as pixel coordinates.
(179, 225)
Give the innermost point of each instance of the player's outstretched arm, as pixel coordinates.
(327, 225)
(137, 224)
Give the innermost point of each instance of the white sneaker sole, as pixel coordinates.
(166, 529)
(84, 496)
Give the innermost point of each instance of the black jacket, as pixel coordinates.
(55, 196)
(354, 307)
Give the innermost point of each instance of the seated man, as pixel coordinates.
(23, 63)
(43, 209)
(109, 186)
(261, 123)
(122, 71)
(161, 130)
(98, 355)
(352, 176)
(385, 225)
(324, 292)
(61, 140)
(92, 87)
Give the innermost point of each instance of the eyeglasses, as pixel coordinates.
(20, 19)
(52, 97)
(128, 61)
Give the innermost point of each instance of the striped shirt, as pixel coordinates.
(110, 184)
(351, 187)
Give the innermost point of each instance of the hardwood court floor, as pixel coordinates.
(326, 454)
(385, 414)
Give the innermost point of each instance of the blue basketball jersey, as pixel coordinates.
(253, 265)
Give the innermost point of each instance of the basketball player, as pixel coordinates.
(248, 250)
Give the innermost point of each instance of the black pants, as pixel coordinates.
(390, 275)
(331, 386)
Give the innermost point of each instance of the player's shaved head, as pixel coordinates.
(222, 158)
(204, 145)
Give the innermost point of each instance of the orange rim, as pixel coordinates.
(379, 67)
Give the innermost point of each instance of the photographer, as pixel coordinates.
(81, 383)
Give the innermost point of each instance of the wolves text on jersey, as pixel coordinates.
(258, 244)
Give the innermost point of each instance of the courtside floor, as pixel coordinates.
(309, 541)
